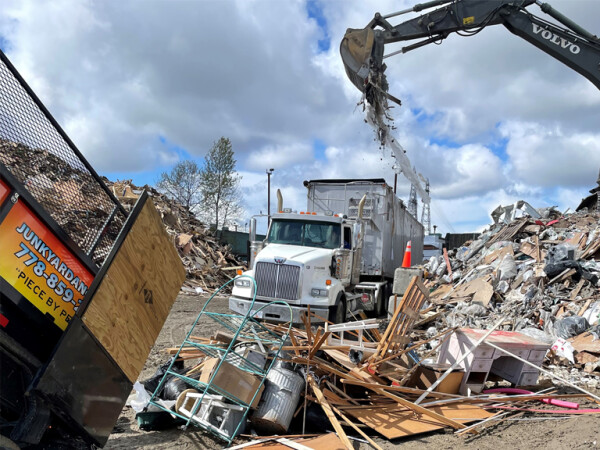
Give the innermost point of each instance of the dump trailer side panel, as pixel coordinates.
(40, 266)
(43, 273)
(113, 333)
(388, 225)
(59, 223)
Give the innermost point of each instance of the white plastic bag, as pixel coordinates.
(140, 399)
(507, 268)
(433, 264)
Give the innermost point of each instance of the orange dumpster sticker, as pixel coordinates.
(3, 191)
(38, 265)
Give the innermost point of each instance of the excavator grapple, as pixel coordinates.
(356, 50)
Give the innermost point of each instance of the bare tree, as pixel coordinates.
(183, 183)
(220, 185)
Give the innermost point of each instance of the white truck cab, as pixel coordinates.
(296, 264)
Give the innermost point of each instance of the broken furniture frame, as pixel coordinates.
(246, 328)
(358, 326)
(405, 314)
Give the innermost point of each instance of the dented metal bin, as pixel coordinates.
(279, 400)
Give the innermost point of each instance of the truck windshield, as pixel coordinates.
(305, 233)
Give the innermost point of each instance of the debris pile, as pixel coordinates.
(66, 190)
(541, 274)
(208, 263)
(77, 202)
(367, 378)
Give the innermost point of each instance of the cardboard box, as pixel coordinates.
(426, 375)
(229, 378)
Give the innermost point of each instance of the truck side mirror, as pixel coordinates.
(355, 234)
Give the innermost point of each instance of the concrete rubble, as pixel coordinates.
(541, 274)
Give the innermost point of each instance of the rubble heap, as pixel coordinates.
(208, 263)
(67, 191)
(260, 379)
(542, 274)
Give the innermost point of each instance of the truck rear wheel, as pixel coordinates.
(386, 292)
(337, 312)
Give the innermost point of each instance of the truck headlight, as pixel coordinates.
(316, 292)
(242, 282)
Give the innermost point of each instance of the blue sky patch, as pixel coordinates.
(498, 148)
(151, 177)
(315, 11)
(4, 44)
(423, 117)
(319, 149)
(444, 142)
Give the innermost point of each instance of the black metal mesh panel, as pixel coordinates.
(36, 153)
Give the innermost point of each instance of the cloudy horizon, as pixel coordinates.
(139, 86)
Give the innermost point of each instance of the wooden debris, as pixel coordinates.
(402, 320)
(208, 264)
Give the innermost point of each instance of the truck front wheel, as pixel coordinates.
(337, 312)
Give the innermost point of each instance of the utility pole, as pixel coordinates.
(269, 172)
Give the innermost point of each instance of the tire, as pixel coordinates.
(381, 307)
(337, 312)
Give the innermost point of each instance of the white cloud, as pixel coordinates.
(549, 156)
(488, 119)
(280, 156)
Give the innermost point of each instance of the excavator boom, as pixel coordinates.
(362, 50)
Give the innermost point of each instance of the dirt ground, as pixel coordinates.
(579, 432)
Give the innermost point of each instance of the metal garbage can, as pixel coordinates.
(279, 401)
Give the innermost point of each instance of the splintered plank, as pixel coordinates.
(131, 302)
(506, 233)
(358, 430)
(327, 441)
(329, 413)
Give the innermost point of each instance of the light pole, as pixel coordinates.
(269, 172)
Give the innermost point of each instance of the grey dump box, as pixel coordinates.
(388, 225)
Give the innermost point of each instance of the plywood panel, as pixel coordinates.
(395, 424)
(324, 442)
(131, 303)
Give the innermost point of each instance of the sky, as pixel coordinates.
(140, 85)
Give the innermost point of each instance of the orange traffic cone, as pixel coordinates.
(406, 260)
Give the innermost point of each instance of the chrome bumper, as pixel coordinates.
(276, 312)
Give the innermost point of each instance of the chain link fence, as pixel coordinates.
(40, 155)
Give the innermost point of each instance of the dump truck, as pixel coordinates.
(85, 284)
(336, 258)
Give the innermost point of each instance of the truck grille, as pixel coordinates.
(277, 280)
